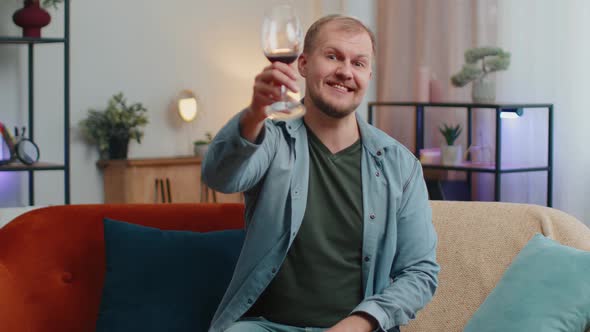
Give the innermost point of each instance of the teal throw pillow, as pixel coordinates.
(164, 280)
(546, 288)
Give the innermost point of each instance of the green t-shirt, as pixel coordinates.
(320, 281)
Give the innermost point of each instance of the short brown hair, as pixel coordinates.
(347, 23)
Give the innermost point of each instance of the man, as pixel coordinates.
(339, 230)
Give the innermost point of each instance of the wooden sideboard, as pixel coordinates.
(158, 180)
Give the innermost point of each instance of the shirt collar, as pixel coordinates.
(370, 139)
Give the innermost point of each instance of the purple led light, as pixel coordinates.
(8, 182)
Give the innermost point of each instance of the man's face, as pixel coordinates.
(337, 70)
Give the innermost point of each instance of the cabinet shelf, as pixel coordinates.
(31, 43)
(29, 40)
(150, 162)
(485, 168)
(470, 167)
(157, 180)
(464, 105)
(39, 166)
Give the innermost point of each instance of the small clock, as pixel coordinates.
(26, 151)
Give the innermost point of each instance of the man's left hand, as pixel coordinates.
(357, 322)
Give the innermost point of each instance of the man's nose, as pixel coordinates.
(344, 71)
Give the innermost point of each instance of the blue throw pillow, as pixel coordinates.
(546, 288)
(164, 280)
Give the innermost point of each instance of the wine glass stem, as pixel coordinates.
(283, 93)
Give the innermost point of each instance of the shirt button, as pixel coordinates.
(367, 258)
(372, 216)
(250, 301)
(378, 153)
(274, 270)
(289, 127)
(377, 173)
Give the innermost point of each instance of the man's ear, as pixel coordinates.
(302, 64)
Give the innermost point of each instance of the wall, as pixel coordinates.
(550, 64)
(150, 50)
(366, 12)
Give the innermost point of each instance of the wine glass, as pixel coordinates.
(282, 41)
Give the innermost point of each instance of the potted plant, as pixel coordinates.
(112, 128)
(32, 17)
(451, 154)
(491, 59)
(201, 146)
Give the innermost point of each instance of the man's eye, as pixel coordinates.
(359, 64)
(331, 56)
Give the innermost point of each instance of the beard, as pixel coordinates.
(331, 110)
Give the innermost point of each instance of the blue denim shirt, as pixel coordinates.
(399, 269)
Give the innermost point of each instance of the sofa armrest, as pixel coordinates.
(13, 316)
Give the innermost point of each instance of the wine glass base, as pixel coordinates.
(285, 110)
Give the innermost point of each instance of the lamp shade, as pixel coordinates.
(187, 106)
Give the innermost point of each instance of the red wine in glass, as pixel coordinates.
(282, 42)
(287, 57)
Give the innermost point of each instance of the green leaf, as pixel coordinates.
(479, 62)
(116, 120)
(51, 3)
(450, 133)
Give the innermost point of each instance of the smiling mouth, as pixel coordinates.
(339, 87)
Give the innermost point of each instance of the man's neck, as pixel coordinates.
(335, 134)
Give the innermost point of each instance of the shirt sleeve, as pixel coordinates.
(414, 271)
(234, 164)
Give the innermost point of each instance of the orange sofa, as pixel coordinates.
(52, 260)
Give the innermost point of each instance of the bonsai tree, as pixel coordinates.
(450, 133)
(114, 126)
(490, 59)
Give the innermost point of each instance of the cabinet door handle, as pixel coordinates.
(162, 190)
(168, 190)
(156, 190)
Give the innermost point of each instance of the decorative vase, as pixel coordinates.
(201, 150)
(483, 91)
(451, 154)
(31, 18)
(118, 147)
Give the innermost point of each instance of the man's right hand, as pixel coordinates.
(267, 90)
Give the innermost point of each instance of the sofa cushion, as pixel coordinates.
(546, 288)
(164, 280)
